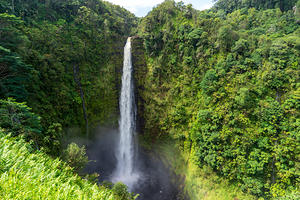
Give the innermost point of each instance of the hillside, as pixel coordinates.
(64, 58)
(225, 85)
(25, 174)
(217, 94)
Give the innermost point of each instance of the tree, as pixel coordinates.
(10, 34)
(14, 75)
(75, 156)
(121, 192)
(226, 37)
(17, 119)
(232, 5)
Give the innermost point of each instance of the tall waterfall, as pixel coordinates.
(126, 152)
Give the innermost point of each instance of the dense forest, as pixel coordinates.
(225, 84)
(46, 45)
(60, 67)
(222, 84)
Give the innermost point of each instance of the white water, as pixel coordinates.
(126, 152)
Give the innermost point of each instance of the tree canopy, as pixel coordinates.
(225, 84)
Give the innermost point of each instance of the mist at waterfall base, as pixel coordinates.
(154, 181)
(117, 155)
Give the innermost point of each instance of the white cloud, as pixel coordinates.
(141, 7)
(205, 6)
(200, 4)
(136, 3)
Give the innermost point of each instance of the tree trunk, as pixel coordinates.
(78, 83)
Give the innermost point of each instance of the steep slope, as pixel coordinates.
(226, 88)
(71, 53)
(232, 5)
(25, 174)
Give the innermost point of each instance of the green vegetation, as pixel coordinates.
(231, 5)
(225, 85)
(25, 174)
(76, 156)
(63, 58)
(199, 183)
(51, 51)
(18, 119)
(121, 192)
(222, 83)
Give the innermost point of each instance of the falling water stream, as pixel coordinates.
(116, 155)
(126, 152)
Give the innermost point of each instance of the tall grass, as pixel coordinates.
(25, 174)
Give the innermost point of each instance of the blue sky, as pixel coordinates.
(141, 7)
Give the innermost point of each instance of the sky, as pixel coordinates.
(141, 7)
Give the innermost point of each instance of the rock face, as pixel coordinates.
(140, 71)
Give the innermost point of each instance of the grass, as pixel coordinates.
(25, 174)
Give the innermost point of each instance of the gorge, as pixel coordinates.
(142, 171)
(126, 171)
(199, 105)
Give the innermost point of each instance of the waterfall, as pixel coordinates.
(126, 150)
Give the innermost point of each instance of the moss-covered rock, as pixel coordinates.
(140, 71)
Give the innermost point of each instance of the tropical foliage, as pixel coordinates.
(225, 84)
(63, 59)
(28, 175)
(46, 46)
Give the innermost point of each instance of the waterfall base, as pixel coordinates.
(131, 180)
(154, 180)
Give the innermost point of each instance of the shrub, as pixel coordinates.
(18, 119)
(121, 191)
(75, 156)
(27, 175)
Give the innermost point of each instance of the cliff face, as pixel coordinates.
(226, 89)
(140, 71)
(48, 41)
